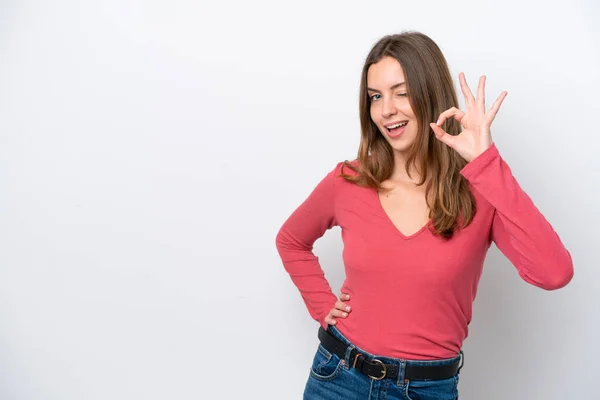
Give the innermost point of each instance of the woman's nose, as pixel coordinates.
(388, 109)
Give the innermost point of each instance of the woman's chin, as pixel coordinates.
(398, 145)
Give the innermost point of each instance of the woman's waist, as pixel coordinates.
(403, 340)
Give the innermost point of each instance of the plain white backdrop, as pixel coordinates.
(150, 151)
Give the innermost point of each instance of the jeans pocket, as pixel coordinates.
(440, 389)
(326, 366)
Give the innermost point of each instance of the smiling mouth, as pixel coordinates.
(396, 126)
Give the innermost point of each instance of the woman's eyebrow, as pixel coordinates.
(397, 85)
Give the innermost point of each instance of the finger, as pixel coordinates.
(491, 114)
(338, 313)
(442, 135)
(330, 320)
(470, 100)
(481, 92)
(340, 305)
(451, 112)
(344, 296)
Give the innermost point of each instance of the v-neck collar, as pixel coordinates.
(385, 216)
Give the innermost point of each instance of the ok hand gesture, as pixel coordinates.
(476, 136)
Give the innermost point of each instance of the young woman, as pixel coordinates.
(418, 210)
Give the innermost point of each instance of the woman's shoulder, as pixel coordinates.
(346, 167)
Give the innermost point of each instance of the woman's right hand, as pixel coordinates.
(340, 309)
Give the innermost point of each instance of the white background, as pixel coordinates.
(151, 150)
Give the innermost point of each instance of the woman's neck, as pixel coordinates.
(399, 175)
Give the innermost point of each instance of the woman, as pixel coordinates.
(418, 210)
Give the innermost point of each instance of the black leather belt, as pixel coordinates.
(377, 370)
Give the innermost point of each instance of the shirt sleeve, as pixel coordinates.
(519, 230)
(295, 241)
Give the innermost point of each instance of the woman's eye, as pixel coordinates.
(373, 97)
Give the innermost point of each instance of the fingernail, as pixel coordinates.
(348, 308)
(333, 322)
(438, 122)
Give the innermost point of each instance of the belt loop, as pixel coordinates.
(347, 361)
(401, 372)
(462, 361)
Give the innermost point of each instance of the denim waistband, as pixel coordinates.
(388, 360)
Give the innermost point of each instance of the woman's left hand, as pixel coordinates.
(476, 136)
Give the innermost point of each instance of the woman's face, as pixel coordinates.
(389, 103)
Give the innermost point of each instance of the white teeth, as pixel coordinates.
(396, 125)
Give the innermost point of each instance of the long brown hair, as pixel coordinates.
(430, 92)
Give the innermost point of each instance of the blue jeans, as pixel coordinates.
(333, 378)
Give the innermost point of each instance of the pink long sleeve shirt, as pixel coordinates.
(412, 296)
